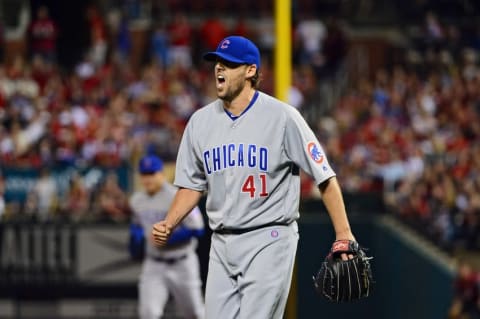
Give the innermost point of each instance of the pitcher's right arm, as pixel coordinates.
(185, 200)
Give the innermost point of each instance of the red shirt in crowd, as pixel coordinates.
(180, 31)
(43, 35)
(212, 32)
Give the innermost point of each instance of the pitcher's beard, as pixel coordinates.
(231, 93)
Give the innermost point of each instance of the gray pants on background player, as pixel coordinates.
(180, 278)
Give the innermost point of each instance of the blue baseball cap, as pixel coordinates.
(150, 164)
(236, 49)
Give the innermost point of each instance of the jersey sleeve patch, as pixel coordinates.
(315, 153)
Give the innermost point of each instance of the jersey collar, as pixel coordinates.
(252, 101)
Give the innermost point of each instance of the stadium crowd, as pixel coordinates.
(466, 294)
(411, 132)
(419, 136)
(104, 111)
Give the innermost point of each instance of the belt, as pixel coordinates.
(238, 231)
(168, 260)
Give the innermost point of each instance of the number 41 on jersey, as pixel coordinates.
(251, 183)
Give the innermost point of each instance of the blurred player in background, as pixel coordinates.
(246, 149)
(174, 268)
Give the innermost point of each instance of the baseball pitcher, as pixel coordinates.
(246, 150)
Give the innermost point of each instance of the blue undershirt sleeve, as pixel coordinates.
(182, 233)
(136, 245)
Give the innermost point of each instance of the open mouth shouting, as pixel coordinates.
(220, 81)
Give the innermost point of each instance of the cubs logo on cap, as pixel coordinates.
(150, 164)
(224, 44)
(315, 152)
(236, 49)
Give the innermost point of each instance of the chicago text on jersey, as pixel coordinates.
(235, 155)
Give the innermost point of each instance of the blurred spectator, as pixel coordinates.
(75, 203)
(160, 45)
(212, 31)
(122, 40)
(309, 36)
(110, 201)
(98, 36)
(241, 27)
(24, 138)
(182, 102)
(264, 33)
(433, 28)
(134, 9)
(453, 40)
(180, 34)
(45, 193)
(334, 47)
(43, 33)
(295, 97)
(466, 302)
(45, 151)
(16, 17)
(7, 147)
(470, 69)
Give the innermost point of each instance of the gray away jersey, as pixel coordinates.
(249, 166)
(148, 210)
